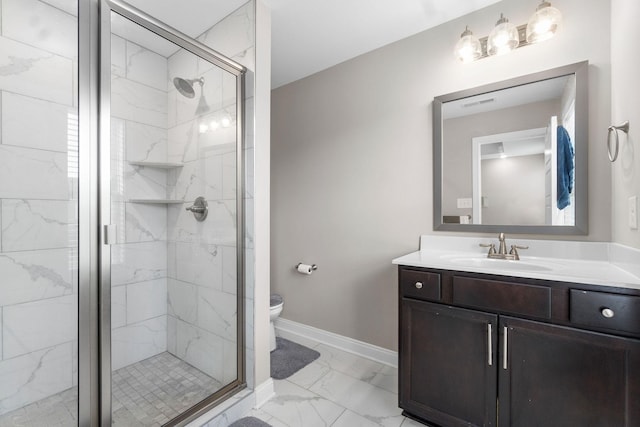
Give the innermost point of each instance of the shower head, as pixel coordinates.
(185, 86)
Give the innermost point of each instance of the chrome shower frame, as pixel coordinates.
(94, 321)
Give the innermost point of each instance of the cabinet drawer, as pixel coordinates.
(605, 310)
(504, 297)
(420, 284)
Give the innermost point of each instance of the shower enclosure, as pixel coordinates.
(122, 231)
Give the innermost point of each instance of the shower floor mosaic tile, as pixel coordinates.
(147, 393)
(151, 392)
(338, 389)
(57, 410)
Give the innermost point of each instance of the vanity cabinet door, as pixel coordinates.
(558, 376)
(447, 364)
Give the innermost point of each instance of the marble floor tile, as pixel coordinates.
(374, 403)
(411, 423)
(351, 419)
(295, 406)
(310, 374)
(365, 390)
(349, 363)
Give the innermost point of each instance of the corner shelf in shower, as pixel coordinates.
(157, 165)
(156, 201)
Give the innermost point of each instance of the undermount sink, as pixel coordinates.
(483, 261)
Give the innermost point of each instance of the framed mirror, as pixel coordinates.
(512, 156)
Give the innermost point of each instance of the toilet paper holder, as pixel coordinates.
(313, 266)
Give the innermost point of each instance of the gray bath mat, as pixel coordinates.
(250, 422)
(289, 357)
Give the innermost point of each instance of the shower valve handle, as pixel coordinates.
(200, 209)
(196, 209)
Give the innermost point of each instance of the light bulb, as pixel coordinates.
(468, 47)
(544, 23)
(503, 38)
(203, 128)
(226, 122)
(214, 125)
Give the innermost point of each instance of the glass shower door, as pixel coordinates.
(38, 213)
(176, 223)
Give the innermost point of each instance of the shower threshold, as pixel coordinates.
(147, 393)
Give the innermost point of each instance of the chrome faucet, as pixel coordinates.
(503, 246)
(501, 253)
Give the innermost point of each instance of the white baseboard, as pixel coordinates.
(288, 328)
(264, 392)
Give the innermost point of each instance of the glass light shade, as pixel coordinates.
(468, 48)
(503, 38)
(544, 23)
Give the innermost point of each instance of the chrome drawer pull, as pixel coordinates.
(490, 345)
(505, 364)
(418, 285)
(607, 312)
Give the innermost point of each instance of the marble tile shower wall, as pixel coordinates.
(38, 201)
(202, 278)
(138, 262)
(38, 204)
(174, 279)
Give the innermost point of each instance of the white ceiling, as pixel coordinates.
(192, 17)
(311, 35)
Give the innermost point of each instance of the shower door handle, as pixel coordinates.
(110, 236)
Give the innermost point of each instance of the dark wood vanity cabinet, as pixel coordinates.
(563, 376)
(465, 392)
(471, 360)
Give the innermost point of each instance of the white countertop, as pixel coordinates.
(592, 263)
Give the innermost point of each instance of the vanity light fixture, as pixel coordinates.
(506, 37)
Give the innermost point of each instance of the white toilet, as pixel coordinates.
(276, 303)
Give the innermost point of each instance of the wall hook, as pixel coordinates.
(624, 127)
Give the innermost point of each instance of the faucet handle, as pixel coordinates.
(514, 251)
(491, 246)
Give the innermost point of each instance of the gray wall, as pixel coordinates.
(351, 161)
(514, 188)
(625, 66)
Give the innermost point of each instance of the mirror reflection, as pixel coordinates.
(508, 155)
(509, 138)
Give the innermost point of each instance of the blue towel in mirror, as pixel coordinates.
(565, 168)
